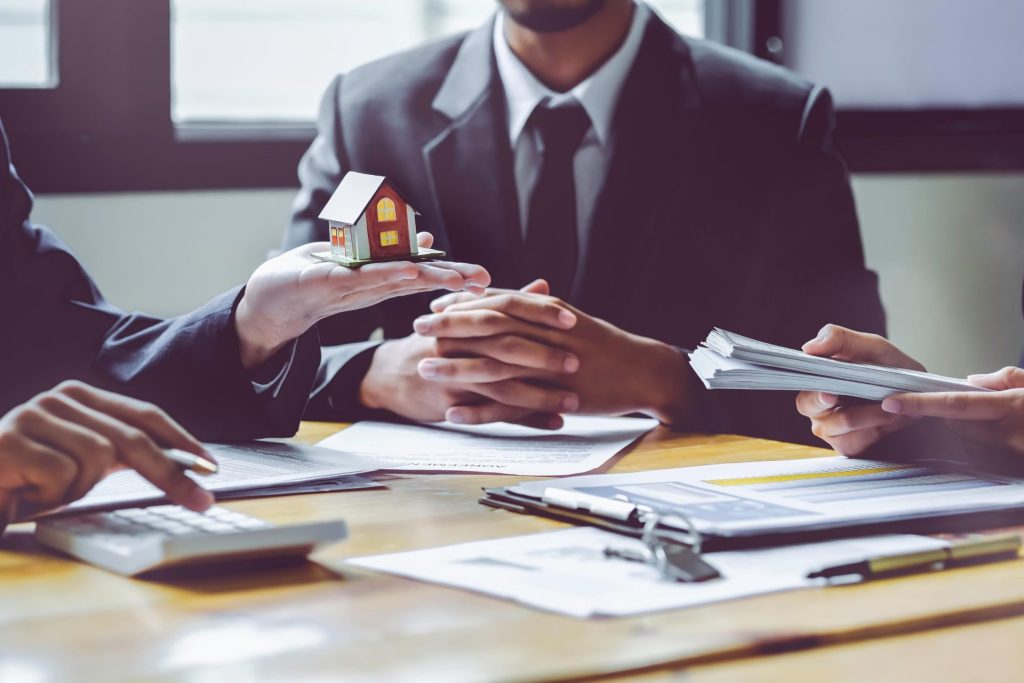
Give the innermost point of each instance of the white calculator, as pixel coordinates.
(138, 540)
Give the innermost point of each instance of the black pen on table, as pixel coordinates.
(975, 549)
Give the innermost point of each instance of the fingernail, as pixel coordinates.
(572, 364)
(566, 318)
(822, 336)
(827, 400)
(422, 324)
(570, 403)
(200, 499)
(892, 405)
(428, 368)
(455, 416)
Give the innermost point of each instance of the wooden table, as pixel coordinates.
(65, 621)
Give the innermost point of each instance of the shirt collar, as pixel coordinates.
(597, 94)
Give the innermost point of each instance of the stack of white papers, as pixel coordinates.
(727, 360)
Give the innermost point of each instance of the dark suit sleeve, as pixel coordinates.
(810, 271)
(58, 326)
(190, 365)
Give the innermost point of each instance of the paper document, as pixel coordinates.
(583, 444)
(754, 498)
(257, 468)
(731, 361)
(568, 572)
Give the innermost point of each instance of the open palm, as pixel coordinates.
(292, 292)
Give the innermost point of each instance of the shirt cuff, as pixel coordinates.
(283, 383)
(267, 379)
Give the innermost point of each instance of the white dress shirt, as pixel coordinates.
(598, 95)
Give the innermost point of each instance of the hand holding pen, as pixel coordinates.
(57, 446)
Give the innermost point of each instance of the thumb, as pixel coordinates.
(862, 347)
(425, 239)
(1007, 378)
(831, 340)
(307, 249)
(538, 286)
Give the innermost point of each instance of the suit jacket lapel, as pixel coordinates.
(470, 163)
(654, 165)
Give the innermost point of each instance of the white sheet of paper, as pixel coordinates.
(253, 465)
(567, 571)
(583, 444)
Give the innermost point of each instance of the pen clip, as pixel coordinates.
(596, 505)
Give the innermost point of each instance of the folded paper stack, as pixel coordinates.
(726, 360)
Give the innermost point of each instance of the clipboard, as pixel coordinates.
(587, 508)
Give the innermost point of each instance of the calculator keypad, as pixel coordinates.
(163, 520)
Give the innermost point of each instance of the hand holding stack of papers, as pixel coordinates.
(727, 360)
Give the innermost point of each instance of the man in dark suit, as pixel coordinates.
(659, 185)
(240, 367)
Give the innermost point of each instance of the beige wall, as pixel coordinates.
(950, 253)
(949, 249)
(166, 253)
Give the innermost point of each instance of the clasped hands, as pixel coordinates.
(994, 418)
(521, 356)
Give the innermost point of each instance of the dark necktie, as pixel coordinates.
(551, 245)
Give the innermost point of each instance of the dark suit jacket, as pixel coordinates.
(725, 203)
(55, 325)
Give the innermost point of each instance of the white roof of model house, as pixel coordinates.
(351, 198)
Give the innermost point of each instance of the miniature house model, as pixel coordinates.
(369, 221)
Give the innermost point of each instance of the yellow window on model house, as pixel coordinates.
(389, 238)
(386, 211)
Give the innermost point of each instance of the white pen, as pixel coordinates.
(192, 462)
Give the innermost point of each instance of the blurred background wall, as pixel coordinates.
(949, 250)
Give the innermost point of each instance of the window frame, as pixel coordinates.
(895, 140)
(107, 127)
(388, 238)
(106, 124)
(386, 208)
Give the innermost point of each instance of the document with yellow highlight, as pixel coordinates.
(778, 497)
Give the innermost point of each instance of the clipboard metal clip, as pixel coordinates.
(672, 543)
